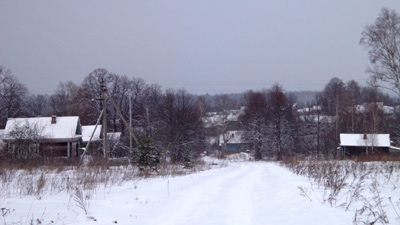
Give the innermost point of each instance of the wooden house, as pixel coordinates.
(43, 136)
(233, 141)
(360, 144)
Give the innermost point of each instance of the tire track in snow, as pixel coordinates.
(230, 196)
(242, 199)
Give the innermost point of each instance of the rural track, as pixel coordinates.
(227, 198)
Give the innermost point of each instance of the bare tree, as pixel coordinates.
(151, 102)
(12, 96)
(37, 105)
(203, 105)
(353, 98)
(145, 99)
(254, 121)
(280, 120)
(373, 113)
(319, 130)
(312, 124)
(297, 130)
(333, 104)
(24, 140)
(223, 105)
(63, 97)
(318, 122)
(382, 40)
(181, 128)
(120, 89)
(395, 128)
(91, 92)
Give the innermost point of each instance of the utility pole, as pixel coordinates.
(91, 136)
(123, 118)
(148, 121)
(103, 96)
(130, 122)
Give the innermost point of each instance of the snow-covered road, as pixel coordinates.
(242, 193)
(228, 199)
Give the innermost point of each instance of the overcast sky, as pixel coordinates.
(202, 46)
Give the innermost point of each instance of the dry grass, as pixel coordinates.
(81, 180)
(352, 185)
(49, 176)
(378, 157)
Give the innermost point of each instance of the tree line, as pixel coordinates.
(172, 119)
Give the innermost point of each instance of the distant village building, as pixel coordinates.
(114, 136)
(43, 136)
(317, 118)
(312, 109)
(313, 114)
(234, 142)
(217, 118)
(387, 110)
(359, 144)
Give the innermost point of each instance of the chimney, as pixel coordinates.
(53, 119)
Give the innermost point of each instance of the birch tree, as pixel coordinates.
(382, 40)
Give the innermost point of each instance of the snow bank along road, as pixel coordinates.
(242, 193)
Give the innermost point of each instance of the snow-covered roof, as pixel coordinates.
(233, 137)
(114, 135)
(362, 140)
(363, 108)
(315, 119)
(307, 110)
(388, 109)
(218, 118)
(87, 131)
(65, 127)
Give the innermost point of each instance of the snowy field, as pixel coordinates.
(240, 193)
